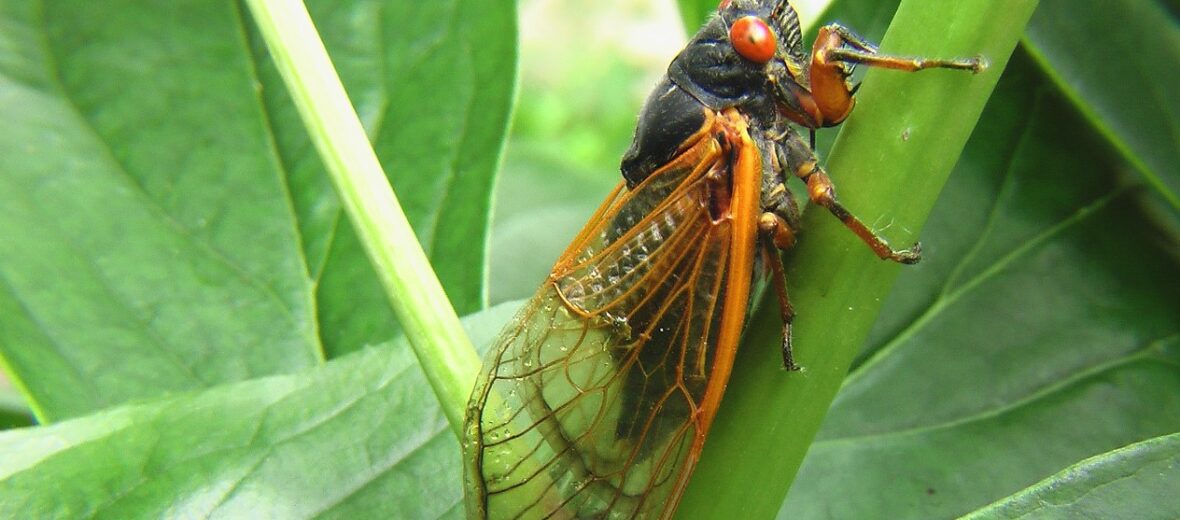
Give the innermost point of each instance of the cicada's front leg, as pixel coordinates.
(837, 48)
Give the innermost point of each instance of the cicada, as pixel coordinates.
(596, 399)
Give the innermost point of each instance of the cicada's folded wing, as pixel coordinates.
(591, 404)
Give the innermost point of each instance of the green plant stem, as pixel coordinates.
(889, 162)
(426, 316)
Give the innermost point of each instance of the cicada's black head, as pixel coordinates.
(749, 49)
(749, 56)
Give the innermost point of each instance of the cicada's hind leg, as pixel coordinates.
(837, 48)
(797, 157)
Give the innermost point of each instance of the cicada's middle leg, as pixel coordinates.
(798, 157)
(780, 221)
(826, 101)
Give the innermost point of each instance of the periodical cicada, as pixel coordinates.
(595, 400)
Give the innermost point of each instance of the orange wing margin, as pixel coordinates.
(596, 399)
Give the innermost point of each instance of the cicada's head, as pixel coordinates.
(750, 55)
(764, 31)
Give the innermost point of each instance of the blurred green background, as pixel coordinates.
(582, 80)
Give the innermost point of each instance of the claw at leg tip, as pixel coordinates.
(981, 64)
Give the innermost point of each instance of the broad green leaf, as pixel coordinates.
(1117, 61)
(1035, 334)
(360, 437)
(433, 83)
(147, 243)
(1117, 484)
(162, 228)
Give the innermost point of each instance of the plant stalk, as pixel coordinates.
(426, 316)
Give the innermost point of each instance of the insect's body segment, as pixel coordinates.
(595, 401)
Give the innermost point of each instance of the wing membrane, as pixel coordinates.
(591, 403)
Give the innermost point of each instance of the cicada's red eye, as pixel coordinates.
(753, 39)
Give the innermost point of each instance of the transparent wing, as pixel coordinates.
(590, 404)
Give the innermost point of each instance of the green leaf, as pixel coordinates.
(147, 243)
(164, 228)
(1116, 62)
(360, 437)
(1025, 341)
(1117, 484)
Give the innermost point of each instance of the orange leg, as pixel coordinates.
(836, 48)
(907, 64)
(795, 156)
(821, 191)
(847, 46)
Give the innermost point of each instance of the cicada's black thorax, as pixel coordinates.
(709, 74)
(669, 116)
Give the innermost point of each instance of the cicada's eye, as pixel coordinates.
(753, 39)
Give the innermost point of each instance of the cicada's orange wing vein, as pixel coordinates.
(596, 399)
